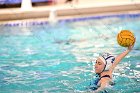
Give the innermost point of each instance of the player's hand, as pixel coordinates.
(131, 46)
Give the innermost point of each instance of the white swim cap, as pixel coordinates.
(108, 60)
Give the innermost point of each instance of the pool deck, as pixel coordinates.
(82, 8)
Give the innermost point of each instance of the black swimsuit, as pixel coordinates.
(94, 84)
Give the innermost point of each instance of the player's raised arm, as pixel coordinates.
(125, 39)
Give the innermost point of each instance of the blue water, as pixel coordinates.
(43, 58)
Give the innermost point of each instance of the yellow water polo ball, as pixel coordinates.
(125, 38)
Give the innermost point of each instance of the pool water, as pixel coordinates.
(43, 58)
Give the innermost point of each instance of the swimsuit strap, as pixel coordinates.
(98, 79)
(103, 77)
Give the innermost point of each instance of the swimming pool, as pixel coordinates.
(42, 58)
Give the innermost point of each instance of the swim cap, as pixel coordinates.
(108, 60)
